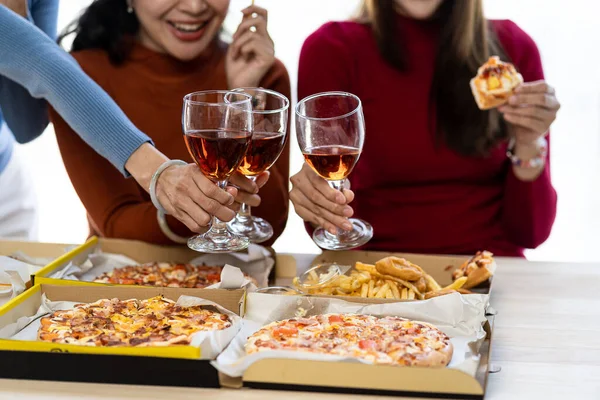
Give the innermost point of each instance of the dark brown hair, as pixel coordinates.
(465, 43)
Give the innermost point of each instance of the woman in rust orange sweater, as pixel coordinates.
(148, 54)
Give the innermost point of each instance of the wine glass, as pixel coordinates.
(270, 117)
(331, 132)
(217, 127)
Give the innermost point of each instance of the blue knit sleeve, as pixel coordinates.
(26, 116)
(31, 59)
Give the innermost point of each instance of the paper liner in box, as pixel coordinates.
(210, 343)
(459, 317)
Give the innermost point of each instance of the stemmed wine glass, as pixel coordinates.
(270, 117)
(217, 127)
(331, 131)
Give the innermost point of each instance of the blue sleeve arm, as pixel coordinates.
(31, 59)
(27, 117)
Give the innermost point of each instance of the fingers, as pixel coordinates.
(190, 214)
(243, 183)
(527, 122)
(192, 198)
(540, 113)
(262, 12)
(259, 23)
(262, 179)
(535, 87)
(537, 93)
(252, 200)
(316, 214)
(209, 189)
(309, 177)
(544, 100)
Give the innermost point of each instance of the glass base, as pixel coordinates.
(256, 229)
(218, 243)
(345, 240)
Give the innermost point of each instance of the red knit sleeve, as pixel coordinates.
(529, 208)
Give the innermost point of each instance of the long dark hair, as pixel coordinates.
(465, 43)
(105, 25)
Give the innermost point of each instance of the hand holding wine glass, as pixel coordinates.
(217, 126)
(270, 116)
(331, 130)
(316, 202)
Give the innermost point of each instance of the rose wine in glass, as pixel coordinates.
(217, 127)
(331, 132)
(270, 118)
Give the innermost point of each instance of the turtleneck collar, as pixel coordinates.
(167, 66)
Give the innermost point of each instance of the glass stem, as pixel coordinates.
(218, 227)
(245, 213)
(338, 185)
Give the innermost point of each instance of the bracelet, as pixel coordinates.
(164, 227)
(535, 162)
(154, 182)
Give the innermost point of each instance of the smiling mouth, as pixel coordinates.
(188, 28)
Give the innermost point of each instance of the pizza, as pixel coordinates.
(494, 83)
(112, 322)
(477, 269)
(164, 274)
(380, 340)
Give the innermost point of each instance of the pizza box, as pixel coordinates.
(358, 378)
(166, 366)
(137, 250)
(43, 252)
(440, 267)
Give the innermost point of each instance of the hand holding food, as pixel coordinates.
(530, 111)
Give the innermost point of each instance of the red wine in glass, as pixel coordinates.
(332, 162)
(330, 128)
(270, 117)
(263, 151)
(217, 127)
(218, 153)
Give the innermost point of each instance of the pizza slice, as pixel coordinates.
(495, 82)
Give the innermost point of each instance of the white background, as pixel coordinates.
(568, 36)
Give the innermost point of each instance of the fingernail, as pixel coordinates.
(347, 226)
(348, 211)
(512, 100)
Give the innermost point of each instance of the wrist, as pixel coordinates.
(527, 155)
(143, 163)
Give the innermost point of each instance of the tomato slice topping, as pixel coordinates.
(285, 331)
(367, 344)
(335, 318)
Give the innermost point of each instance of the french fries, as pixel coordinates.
(367, 281)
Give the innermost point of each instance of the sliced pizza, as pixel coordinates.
(380, 340)
(112, 322)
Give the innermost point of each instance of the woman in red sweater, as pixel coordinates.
(147, 55)
(434, 176)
